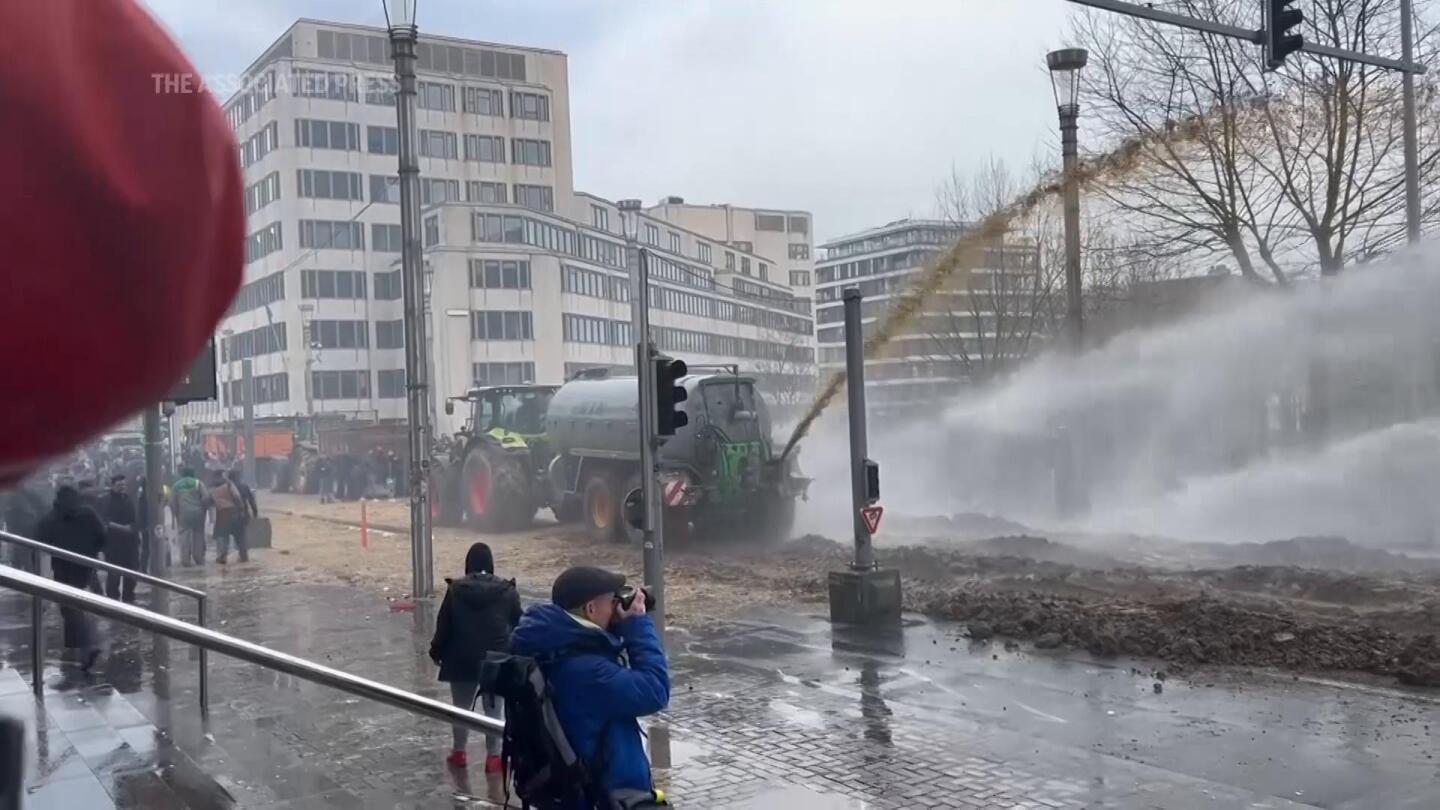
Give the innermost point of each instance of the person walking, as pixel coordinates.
(189, 503)
(477, 616)
(73, 526)
(229, 516)
(122, 539)
(249, 509)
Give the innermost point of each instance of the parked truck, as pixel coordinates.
(575, 450)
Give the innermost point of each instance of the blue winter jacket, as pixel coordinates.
(593, 689)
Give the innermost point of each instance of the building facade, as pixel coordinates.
(982, 320)
(527, 280)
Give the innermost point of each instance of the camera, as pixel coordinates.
(627, 595)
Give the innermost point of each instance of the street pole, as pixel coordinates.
(247, 386)
(859, 450)
(402, 42)
(1412, 158)
(652, 529)
(1070, 154)
(154, 480)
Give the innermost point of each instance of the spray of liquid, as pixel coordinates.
(1119, 162)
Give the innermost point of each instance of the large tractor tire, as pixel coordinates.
(602, 507)
(495, 490)
(444, 495)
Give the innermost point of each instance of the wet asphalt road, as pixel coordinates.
(777, 711)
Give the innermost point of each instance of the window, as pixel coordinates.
(530, 106)
(388, 286)
(501, 325)
(380, 90)
(602, 251)
(322, 233)
(480, 191)
(340, 334)
(770, 222)
(674, 242)
(487, 274)
(799, 251)
(541, 198)
(485, 148)
(385, 238)
(390, 383)
(260, 144)
(529, 152)
(268, 388)
(483, 101)
(599, 331)
(326, 185)
(383, 140)
(262, 193)
(748, 247)
(384, 189)
(764, 271)
(315, 134)
(389, 334)
(435, 143)
(503, 373)
(799, 225)
(799, 278)
(352, 47)
(324, 84)
(600, 217)
(258, 293)
(592, 283)
(434, 191)
(729, 261)
(744, 265)
(435, 96)
(432, 229)
(702, 250)
(344, 284)
(263, 242)
(522, 231)
(264, 340)
(652, 235)
(340, 384)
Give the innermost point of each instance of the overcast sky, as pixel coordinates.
(852, 110)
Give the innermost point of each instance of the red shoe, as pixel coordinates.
(492, 764)
(457, 759)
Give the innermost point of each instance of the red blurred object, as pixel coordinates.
(123, 221)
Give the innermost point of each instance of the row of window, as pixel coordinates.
(347, 334)
(799, 251)
(268, 388)
(263, 242)
(513, 373)
(574, 369)
(875, 286)
(262, 192)
(260, 144)
(261, 292)
(518, 230)
(593, 283)
(499, 275)
(321, 184)
(256, 94)
(342, 284)
(936, 235)
(502, 325)
(779, 222)
(390, 334)
(340, 384)
(599, 331)
(313, 133)
(799, 278)
(687, 340)
(429, 56)
(261, 340)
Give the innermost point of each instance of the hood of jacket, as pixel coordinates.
(481, 590)
(547, 631)
(186, 483)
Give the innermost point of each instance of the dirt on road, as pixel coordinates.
(1381, 619)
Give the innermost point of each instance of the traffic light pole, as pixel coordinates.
(653, 529)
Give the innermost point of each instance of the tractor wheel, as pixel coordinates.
(444, 496)
(629, 497)
(602, 507)
(772, 521)
(494, 490)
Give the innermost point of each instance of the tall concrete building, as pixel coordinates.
(969, 328)
(526, 278)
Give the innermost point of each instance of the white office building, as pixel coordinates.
(526, 278)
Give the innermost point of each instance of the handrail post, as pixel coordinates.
(37, 634)
(204, 663)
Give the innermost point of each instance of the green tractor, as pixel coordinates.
(492, 475)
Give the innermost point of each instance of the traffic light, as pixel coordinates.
(1281, 36)
(669, 395)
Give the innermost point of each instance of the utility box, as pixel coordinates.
(865, 597)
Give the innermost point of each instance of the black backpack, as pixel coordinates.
(539, 764)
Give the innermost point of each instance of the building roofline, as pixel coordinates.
(702, 237)
(731, 207)
(905, 224)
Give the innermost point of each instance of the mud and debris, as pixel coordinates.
(1372, 612)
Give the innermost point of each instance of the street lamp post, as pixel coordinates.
(228, 348)
(1065, 68)
(400, 18)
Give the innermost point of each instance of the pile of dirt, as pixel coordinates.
(1328, 553)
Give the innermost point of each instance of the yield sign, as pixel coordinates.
(871, 516)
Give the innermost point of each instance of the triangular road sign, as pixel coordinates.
(871, 516)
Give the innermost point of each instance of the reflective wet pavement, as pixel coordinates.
(774, 712)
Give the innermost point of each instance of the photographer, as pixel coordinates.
(598, 650)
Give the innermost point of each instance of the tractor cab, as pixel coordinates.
(507, 412)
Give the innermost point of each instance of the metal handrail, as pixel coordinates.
(37, 629)
(206, 639)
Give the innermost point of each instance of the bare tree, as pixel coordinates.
(788, 377)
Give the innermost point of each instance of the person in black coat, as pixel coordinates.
(73, 526)
(478, 614)
(122, 538)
